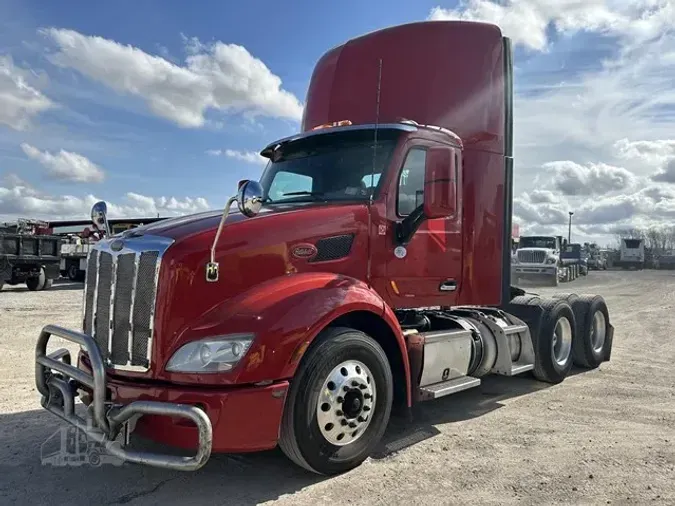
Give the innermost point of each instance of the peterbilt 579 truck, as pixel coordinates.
(368, 268)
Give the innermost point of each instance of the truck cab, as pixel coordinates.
(538, 257)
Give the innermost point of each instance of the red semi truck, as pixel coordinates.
(369, 268)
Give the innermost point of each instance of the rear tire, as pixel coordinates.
(311, 401)
(73, 272)
(553, 345)
(591, 343)
(37, 283)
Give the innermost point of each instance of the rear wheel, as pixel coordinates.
(73, 272)
(339, 403)
(38, 282)
(553, 344)
(591, 344)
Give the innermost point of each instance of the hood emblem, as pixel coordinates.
(117, 245)
(304, 251)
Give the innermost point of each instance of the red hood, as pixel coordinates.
(250, 252)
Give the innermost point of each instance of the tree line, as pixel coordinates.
(655, 238)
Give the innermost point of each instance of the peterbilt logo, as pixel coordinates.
(304, 251)
(117, 245)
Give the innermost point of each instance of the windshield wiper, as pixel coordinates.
(304, 193)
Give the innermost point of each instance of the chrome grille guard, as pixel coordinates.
(58, 381)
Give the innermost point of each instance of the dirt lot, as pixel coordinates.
(600, 437)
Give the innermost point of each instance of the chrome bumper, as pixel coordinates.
(59, 381)
(534, 269)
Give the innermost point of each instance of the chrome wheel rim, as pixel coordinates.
(562, 341)
(346, 403)
(598, 331)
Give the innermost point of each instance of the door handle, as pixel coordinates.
(448, 286)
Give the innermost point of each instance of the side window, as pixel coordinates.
(288, 182)
(411, 182)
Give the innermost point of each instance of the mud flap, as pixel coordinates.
(531, 315)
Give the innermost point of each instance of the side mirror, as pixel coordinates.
(440, 183)
(99, 216)
(249, 198)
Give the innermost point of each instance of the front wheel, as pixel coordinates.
(339, 403)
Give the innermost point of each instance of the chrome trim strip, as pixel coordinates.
(94, 300)
(130, 336)
(84, 295)
(111, 319)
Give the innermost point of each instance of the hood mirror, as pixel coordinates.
(250, 198)
(99, 217)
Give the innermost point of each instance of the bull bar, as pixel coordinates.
(59, 381)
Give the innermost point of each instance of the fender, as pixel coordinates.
(285, 314)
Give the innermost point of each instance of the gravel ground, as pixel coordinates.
(601, 437)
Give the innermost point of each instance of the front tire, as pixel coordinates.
(339, 402)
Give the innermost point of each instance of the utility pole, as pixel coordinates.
(569, 229)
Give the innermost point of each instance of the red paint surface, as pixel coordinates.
(243, 419)
(448, 74)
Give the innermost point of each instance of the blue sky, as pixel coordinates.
(159, 106)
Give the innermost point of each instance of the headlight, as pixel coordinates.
(514, 259)
(550, 261)
(216, 354)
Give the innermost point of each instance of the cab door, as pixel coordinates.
(427, 270)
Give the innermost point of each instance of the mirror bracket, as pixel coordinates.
(405, 229)
(249, 200)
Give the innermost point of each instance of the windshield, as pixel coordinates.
(329, 167)
(537, 242)
(632, 243)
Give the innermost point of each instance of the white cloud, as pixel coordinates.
(217, 76)
(246, 156)
(252, 157)
(666, 174)
(19, 102)
(527, 21)
(594, 179)
(66, 165)
(594, 108)
(21, 200)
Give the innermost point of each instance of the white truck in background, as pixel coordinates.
(74, 259)
(632, 253)
(537, 257)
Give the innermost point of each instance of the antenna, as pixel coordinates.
(372, 170)
(377, 124)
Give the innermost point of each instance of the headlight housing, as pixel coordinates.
(550, 260)
(214, 354)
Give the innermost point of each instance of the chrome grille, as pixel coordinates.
(531, 257)
(119, 299)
